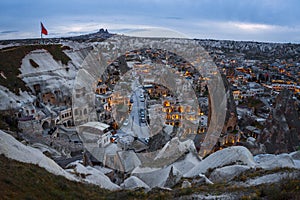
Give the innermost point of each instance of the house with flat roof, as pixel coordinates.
(96, 134)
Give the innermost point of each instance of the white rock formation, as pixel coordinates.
(134, 182)
(91, 175)
(269, 178)
(201, 179)
(153, 177)
(174, 148)
(14, 149)
(296, 158)
(9, 100)
(189, 161)
(295, 155)
(44, 148)
(104, 170)
(227, 173)
(251, 141)
(271, 161)
(186, 184)
(129, 160)
(174, 177)
(228, 156)
(51, 74)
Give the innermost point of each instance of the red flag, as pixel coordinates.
(44, 30)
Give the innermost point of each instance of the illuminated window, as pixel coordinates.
(180, 109)
(167, 103)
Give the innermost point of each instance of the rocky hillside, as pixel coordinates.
(11, 60)
(232, 173)
(282, 130)
(27, 70)
(231, 114)
(253, 50)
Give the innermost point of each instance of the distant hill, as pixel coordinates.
(101, 35)
(98, 36)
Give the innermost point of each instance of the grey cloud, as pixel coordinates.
(7, 32)
(176, 14)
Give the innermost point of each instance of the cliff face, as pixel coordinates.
(231, 114)
(282, 130)
(30, 71)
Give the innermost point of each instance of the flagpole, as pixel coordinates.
(41, 33)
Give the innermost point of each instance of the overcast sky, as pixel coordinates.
(254, 20)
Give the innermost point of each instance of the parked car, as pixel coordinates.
(126, 122)
(114, 138)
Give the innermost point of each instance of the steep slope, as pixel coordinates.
(11, 59)
(13, 149)
(20, 180)
(27, 181)
(27, 70)
(282, 129)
